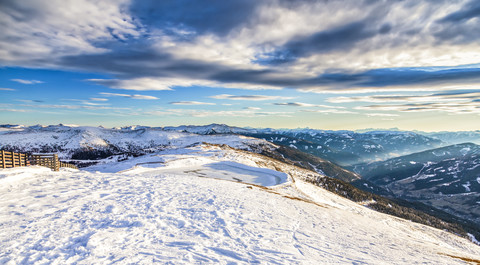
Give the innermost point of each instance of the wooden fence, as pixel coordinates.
(62, 164)
(46, 160)
(11, 159)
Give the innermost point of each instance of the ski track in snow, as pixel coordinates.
(161, 213)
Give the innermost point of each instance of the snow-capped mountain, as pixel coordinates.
(97, 142)
(348, 148)
(203, 204)
(86, 145)
(345, 148)
(447, 178)
(455, 137)
(208, 129)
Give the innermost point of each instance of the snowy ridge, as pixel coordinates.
(166, 208)
(342, 147)
(456, 137)
(67, 140)
(208, 129)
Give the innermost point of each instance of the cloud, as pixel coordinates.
(128, 96)
(6, 89)
(191, 103)
(157, 70)
(294, 104)
(93, 104)
(340, 38)
(29, 100)
(72, 107)
(451, 108)
(36, 31)
(453, 102)
(193, 17)
(436, 97)
(381, 115)
(307, 45)
(99, 99)
(468, 11)
(300, 104)
(224, 113)
(329, 111)
(459, 27)
(27, 82)
(15, 110)
(248, 97)
(212, 75)
(136, 84)
(404, 78)
(252, 108)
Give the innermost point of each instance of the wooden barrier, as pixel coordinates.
(12, 159)
(62, 164)
(45, 160)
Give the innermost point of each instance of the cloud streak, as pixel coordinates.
(247, 113)
(300, 104)
(128, 96)
(71, 107)
(436, 97)
(191, 103)
(249, 97)
(451, 108)
(27, 82)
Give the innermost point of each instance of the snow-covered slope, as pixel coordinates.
(167, 209)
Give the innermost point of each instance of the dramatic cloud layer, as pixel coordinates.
(401, 55)
(152, 45)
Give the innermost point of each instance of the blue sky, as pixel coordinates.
(272, 63)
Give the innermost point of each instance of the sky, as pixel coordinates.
(411, 64)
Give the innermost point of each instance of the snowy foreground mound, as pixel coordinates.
(168, 209)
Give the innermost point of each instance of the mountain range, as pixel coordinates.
(423, 177)
(447, 178)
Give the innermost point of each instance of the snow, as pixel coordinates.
(155, 211)
(474, 240)
(467, 186)
(474, 167)
(425, 176)
(465, 150)
(65, 140)
(201, 160)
